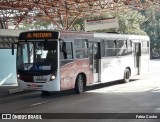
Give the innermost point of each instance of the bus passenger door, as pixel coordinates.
(94, 56)
(137, 55)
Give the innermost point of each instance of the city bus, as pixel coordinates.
(53, 60)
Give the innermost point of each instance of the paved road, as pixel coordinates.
(141, 95)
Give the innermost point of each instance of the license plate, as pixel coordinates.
(40, 79)
(34, 85)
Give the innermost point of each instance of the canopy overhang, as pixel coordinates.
(63, 13)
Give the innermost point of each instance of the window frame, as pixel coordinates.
(66, 50)
(85, 49)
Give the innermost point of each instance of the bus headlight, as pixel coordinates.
(53, 77)
(17, 75)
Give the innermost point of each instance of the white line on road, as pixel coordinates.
(38, 103)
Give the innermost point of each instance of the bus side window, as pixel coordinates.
(145, 49)
(122, 48)
(129, 46)
(67, 51)
(110, 48)
(81, 48)
(61, 56)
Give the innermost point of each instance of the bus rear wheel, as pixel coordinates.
(127, 75)
(79, 85)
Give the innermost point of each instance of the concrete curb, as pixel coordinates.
(16, 90)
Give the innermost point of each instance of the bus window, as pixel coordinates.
(51, 56)
(121, 44)
(34, 54)
(110, 49)
(122, 47)
(67, 51)
(81, 48)
(145, 49)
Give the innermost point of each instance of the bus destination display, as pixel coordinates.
(38, 35)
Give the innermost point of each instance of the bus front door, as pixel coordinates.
(137, 55)
(94, 56)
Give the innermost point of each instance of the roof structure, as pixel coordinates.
(63, 13)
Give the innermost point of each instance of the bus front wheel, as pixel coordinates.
(45, 92)
(79, 85)
(127, 75)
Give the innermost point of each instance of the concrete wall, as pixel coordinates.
(7, 67)
(7, 60)
(10, 32)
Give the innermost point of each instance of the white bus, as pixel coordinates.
(61, 60)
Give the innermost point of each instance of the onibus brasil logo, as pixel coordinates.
(21, 116)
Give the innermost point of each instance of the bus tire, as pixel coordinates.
(127, 75)
(79, 85)
(45, 92)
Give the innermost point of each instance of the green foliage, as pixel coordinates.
(79, 23)
(152, 27)
(36, 25)
(129, 23)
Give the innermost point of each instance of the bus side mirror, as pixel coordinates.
(63, 47)
(13, 45)
(64, 50)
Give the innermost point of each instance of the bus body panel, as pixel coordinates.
(70, 71)
(47, 86)
(113, 68)
(145, 64)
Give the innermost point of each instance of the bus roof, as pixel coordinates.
(114, 36)
(52, 34)
(55, 34)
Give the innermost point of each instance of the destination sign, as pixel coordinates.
(34, 35)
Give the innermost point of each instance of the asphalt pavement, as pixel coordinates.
(141, 95)
(9, 89)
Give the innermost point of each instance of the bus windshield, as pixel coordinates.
(37, 56)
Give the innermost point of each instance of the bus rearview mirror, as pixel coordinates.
(63, 47)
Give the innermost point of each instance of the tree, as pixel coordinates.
(38, 25)
(152, 27)
(130, 23)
